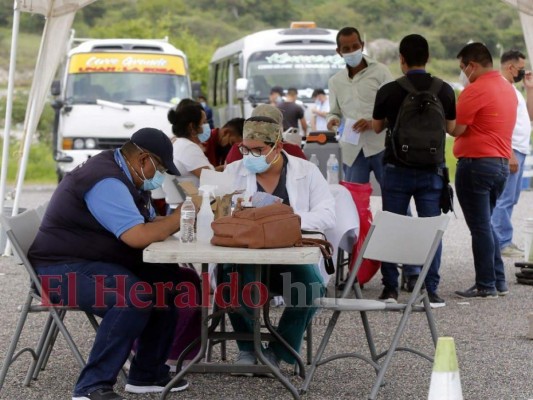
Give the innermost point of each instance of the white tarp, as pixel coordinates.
(59, 16)
(525, 10)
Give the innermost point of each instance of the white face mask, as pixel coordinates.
(354, 58)
(465, 80)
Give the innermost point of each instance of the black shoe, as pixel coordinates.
(475, 293)
(410, 283)
(100, 394)
(389, 295)
(182, 384)
(435, 301)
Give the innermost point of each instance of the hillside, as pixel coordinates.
(199, 27)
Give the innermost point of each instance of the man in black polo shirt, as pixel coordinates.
(401, 182)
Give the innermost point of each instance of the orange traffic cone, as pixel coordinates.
(445, 380)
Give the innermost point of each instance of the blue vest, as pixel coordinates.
(69, 233)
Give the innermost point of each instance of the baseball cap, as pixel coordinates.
(157, 142)
(267, 110)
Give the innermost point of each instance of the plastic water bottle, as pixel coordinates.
(188, 215)
(314, 160)
(333, 169)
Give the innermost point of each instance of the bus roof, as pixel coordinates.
(126, 45)
(276, 39)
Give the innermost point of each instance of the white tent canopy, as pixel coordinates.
(525, 10)
(59, 16)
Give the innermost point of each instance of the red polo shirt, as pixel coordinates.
(488, 108)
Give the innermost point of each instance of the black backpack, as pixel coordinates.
(419, 135)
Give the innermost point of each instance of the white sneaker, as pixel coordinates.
(512, 251)
(245, 358)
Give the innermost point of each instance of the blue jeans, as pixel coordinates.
(501, 216)
(359, 171)
(479, 182)
(398, 186)
(128, 311)
(299, 285)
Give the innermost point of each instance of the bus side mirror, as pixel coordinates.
(55, 89)
(196, 89)
(241, 86)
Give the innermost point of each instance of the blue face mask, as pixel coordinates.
(155, 182)
(206, 133)
(256, 165)
(353, 59)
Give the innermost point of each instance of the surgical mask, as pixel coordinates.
(465, 80)
(155, 182)
(256, 165)
(203, 103)
(279, 100)
(520, 76)
(353, 59)
(206, 133)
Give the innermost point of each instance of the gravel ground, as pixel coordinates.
(495, 357)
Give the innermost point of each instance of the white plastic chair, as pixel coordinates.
(396, 239)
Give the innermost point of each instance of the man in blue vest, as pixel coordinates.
(89, 250)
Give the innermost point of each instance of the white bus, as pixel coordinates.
(242, 73)
(108, 89)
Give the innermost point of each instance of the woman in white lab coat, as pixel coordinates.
(265, 167)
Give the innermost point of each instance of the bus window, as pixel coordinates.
(304, 70)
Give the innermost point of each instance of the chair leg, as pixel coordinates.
(40, 351)
(49, 346)
(309, 345)
(59, 322)
(8, 360)
(390, 353)
(320, 351)
(431, 321)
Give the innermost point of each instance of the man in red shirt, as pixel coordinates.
(219, 144)
(486, 115)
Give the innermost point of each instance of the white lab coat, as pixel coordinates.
(308, 191)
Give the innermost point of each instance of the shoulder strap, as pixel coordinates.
(325, 247)
(435, 86)
(406, 84)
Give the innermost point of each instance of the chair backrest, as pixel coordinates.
(399, 239)
(42, 209)
(21, 230)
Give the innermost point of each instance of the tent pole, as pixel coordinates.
(9, 109)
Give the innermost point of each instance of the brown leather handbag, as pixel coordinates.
(268, 227)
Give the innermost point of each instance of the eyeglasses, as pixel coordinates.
(256, 151)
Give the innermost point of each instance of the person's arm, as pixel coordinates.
(321, 214)
(304, 125)
(142, 235)
(528, 83)
(379, 124)
(450, 125)
(112, 205)
(458, 130)
(334, 115)
(198, 171)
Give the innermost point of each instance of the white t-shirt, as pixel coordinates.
(321, 122)
(522, 128)
(188, 156)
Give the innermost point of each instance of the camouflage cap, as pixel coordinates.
(267, 110)
(261, 128)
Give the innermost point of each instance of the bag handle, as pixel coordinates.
(325, 248)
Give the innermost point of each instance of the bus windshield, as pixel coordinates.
(304, 70)
(126, 87)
